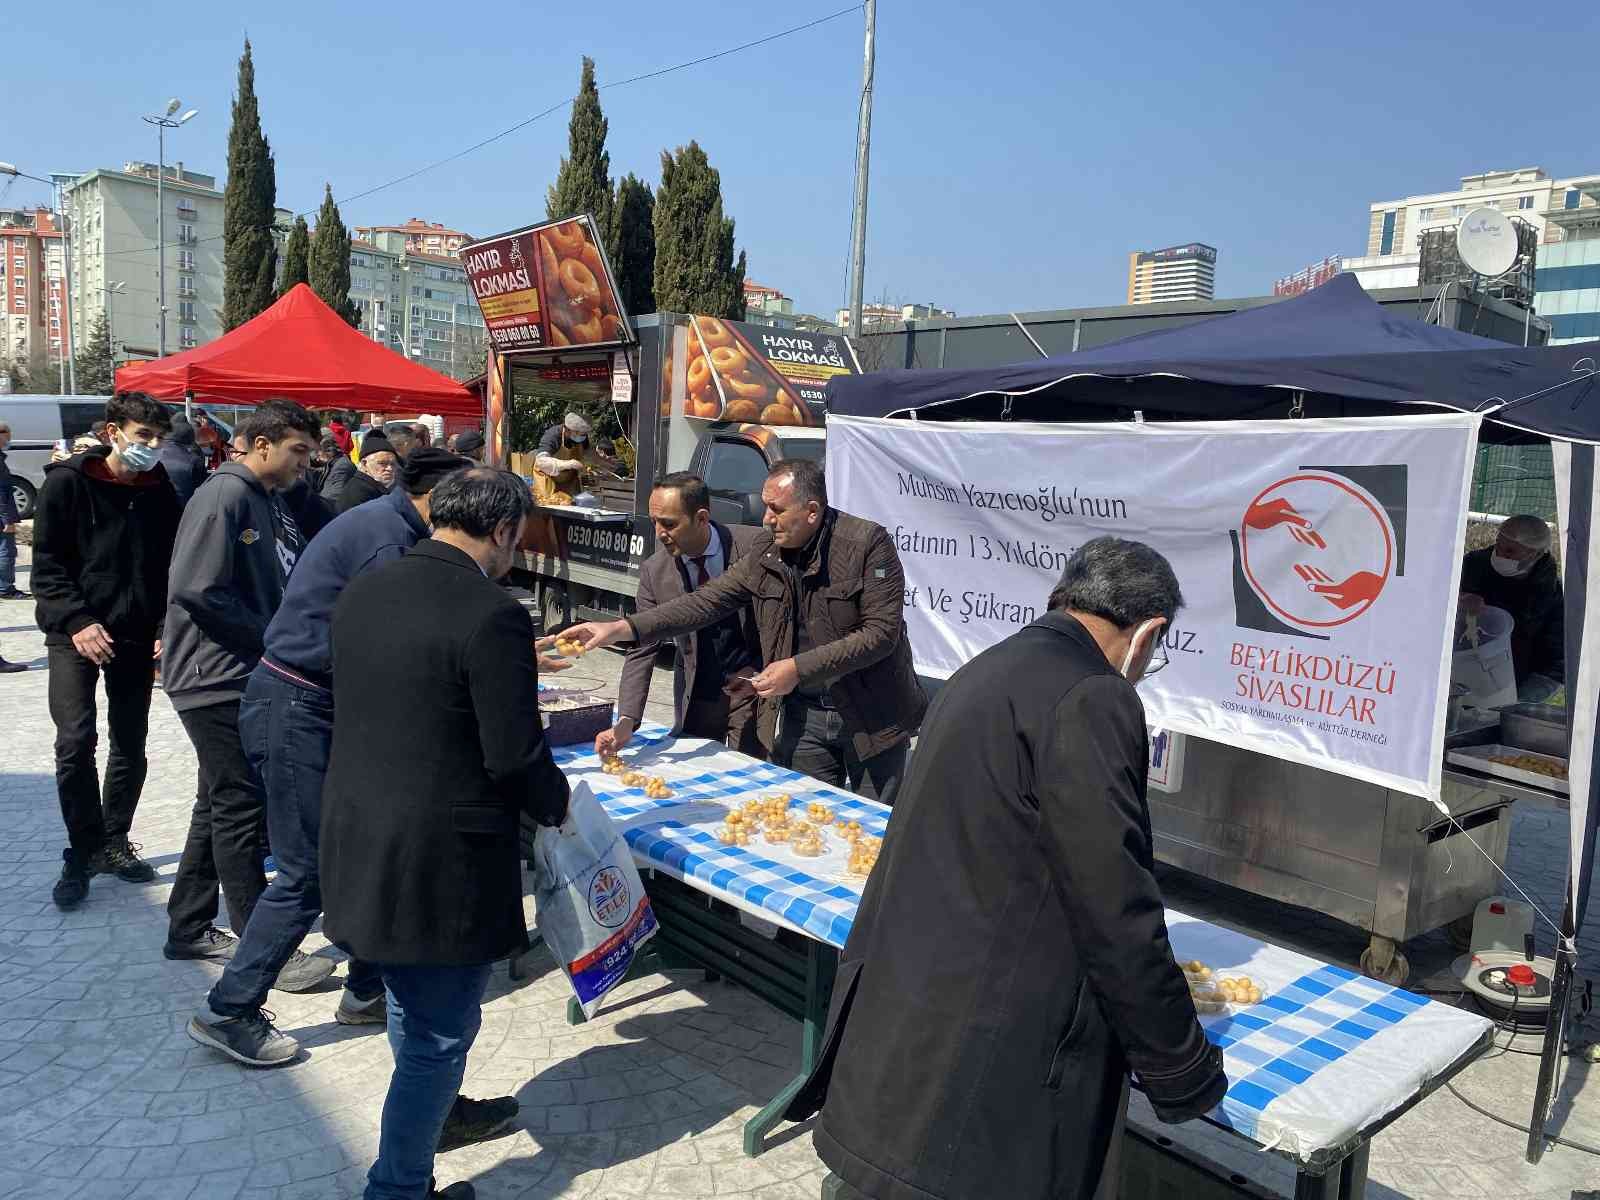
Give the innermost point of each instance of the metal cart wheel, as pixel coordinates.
(1383, 961)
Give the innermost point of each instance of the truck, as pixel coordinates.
(581, 562)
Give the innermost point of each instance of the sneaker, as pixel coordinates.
(73, 885)
(120, 857)
(476, 1121)
(213, 943)
(251, 1039)
(303, 972)
(11, 668)
(15, 594)
(353, 1010)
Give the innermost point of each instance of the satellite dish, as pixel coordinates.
(1486, 240)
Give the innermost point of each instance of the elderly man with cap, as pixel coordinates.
(380, 463)
(286, 724)
(1518, 575)
(564, 454)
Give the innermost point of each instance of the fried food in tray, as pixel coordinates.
(1531, 763)
(729, 380)
(581, 308)
(1213, 993)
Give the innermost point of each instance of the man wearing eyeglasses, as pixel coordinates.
(1022, 828)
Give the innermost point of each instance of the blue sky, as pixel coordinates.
(1019, 150)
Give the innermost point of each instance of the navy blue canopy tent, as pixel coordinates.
(1335, 352)
(1330, 352)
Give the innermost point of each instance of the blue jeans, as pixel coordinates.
(434, 1014)
(287, 732)
(8, 560)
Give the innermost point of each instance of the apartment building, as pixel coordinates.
(32, 270)
(1187, 272)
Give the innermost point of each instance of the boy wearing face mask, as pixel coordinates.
(103, 535)
(1518, 575)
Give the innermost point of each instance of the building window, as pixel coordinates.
(1572, 198)
(186, 260)
(1386, 244)
(1524, 201)
(19, 304)
(186, 310)
(20, 263)
(185, 285)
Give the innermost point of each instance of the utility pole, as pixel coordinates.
(858, 218)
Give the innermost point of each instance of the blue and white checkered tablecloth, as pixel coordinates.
(812, 896)
(1327, 1052)
(1322, 1057)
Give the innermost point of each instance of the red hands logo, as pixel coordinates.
(1280, 512)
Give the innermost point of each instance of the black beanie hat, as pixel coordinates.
(426, 466)
(468, 442)
(376, 443)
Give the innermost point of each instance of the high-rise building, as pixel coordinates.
(33, 325)
(441, 327)
(1186, 272)
(416, 236)
(1564, 212)
(378, 290)
(113, 223)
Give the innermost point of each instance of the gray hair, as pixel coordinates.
(478, 501)
(1527, 531)
(1124, 582)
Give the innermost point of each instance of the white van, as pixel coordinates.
(37, 424)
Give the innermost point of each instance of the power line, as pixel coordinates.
(538, 116)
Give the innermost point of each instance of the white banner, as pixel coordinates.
(1319, 562)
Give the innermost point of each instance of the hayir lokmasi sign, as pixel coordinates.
(739, 371)
(1319, 562)
(546, 287)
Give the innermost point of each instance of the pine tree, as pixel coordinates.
(695, 270)
(328, 266)
(92, 363)
(296, 256)
(633, 244)
(249, 253)
(584, 181)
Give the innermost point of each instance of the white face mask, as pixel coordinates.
(1133, 649)
(1510, 567)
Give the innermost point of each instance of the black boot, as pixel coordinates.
(11, 668)
(73, 885)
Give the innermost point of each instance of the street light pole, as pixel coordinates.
(858, 218)
(163, 123)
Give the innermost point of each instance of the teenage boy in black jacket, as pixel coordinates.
(103, 535)
(235, 548)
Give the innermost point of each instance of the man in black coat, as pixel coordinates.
(1009, 963)
(421, 870)
(185, 465)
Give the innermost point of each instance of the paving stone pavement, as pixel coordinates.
(104, 1097)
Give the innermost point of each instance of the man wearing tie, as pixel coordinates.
(692, 550)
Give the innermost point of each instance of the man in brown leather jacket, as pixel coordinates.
(839, 699)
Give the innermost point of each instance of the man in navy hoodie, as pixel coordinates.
(102, 538)
(236, 545)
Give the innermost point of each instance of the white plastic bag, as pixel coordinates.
(591, 905)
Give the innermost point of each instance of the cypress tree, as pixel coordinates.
(328, 268)
(633, 244)
(584, 182)
(296, 256)
(249, 254)
(92, 363)
(695, 270)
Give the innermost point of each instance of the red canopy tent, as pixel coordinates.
(301, 350)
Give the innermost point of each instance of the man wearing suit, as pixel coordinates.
(421, 870)
(693, 551)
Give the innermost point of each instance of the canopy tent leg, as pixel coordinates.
(1555, 1039)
